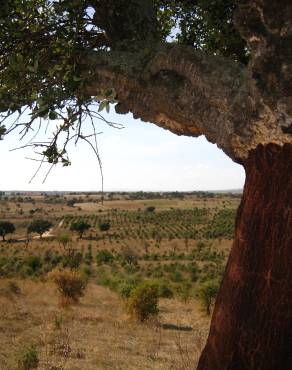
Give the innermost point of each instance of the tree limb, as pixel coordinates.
(188, 93)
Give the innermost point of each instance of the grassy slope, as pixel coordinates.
(97, 331)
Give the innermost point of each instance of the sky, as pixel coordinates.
(141, 156)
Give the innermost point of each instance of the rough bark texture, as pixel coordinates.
(251, 327)
(191, 93)
(247, 112)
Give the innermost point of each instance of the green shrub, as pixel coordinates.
(64, 239)
(143, 302)
(104, 226)
(184, 291)
(207, 293)
(193, 272)
(163, 289)
(175, 276)
(72, 260)
(129, 256)
(127, 286)
(70, 284)
(86, 271)
(130, 269)
(88, 255)
(28, 358)
(34, 263)
(104, 256)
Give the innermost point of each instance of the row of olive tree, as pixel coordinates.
(80, 226)
(39, 226)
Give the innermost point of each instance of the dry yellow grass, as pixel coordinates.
(96, 334)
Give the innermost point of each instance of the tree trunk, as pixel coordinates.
(251, 327)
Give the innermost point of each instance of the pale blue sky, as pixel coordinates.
(141, 156)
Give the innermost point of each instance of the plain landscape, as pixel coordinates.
(169, 249)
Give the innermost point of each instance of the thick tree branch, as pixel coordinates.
(189, 93)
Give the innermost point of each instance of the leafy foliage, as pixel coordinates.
(28, 358)
(104, 226)
(203, 24)
(39, 226)
(47, 46)
(6, 227)
(104, 256)
(208, 293)
(143, 302)
(64, 239)
(80, 226)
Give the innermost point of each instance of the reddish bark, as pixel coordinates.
(251, 327)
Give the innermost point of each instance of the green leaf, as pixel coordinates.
(102, 105)
(53, 115)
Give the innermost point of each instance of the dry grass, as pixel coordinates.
(96, 334)
(159, 204)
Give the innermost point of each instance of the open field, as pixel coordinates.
(179, 245)
(96, 333)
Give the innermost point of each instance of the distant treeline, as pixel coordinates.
(59, 197)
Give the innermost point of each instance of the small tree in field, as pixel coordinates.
(143, 302)
(6, 227)
(104, 226)
(64, 239)
(39, 226)
(80, 227)
(70, 284)
(208, 293)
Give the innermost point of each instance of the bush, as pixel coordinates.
(127, 286)
(34, 263)
(143, 302)
(28, 358)
(104, 256)
(176, 276)
(163, 289)
(129, 256)
(64, 239)
(70, 284)
(207, 293)
(72, 260)
(193, 271)
(184, 291)
(104, 226)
